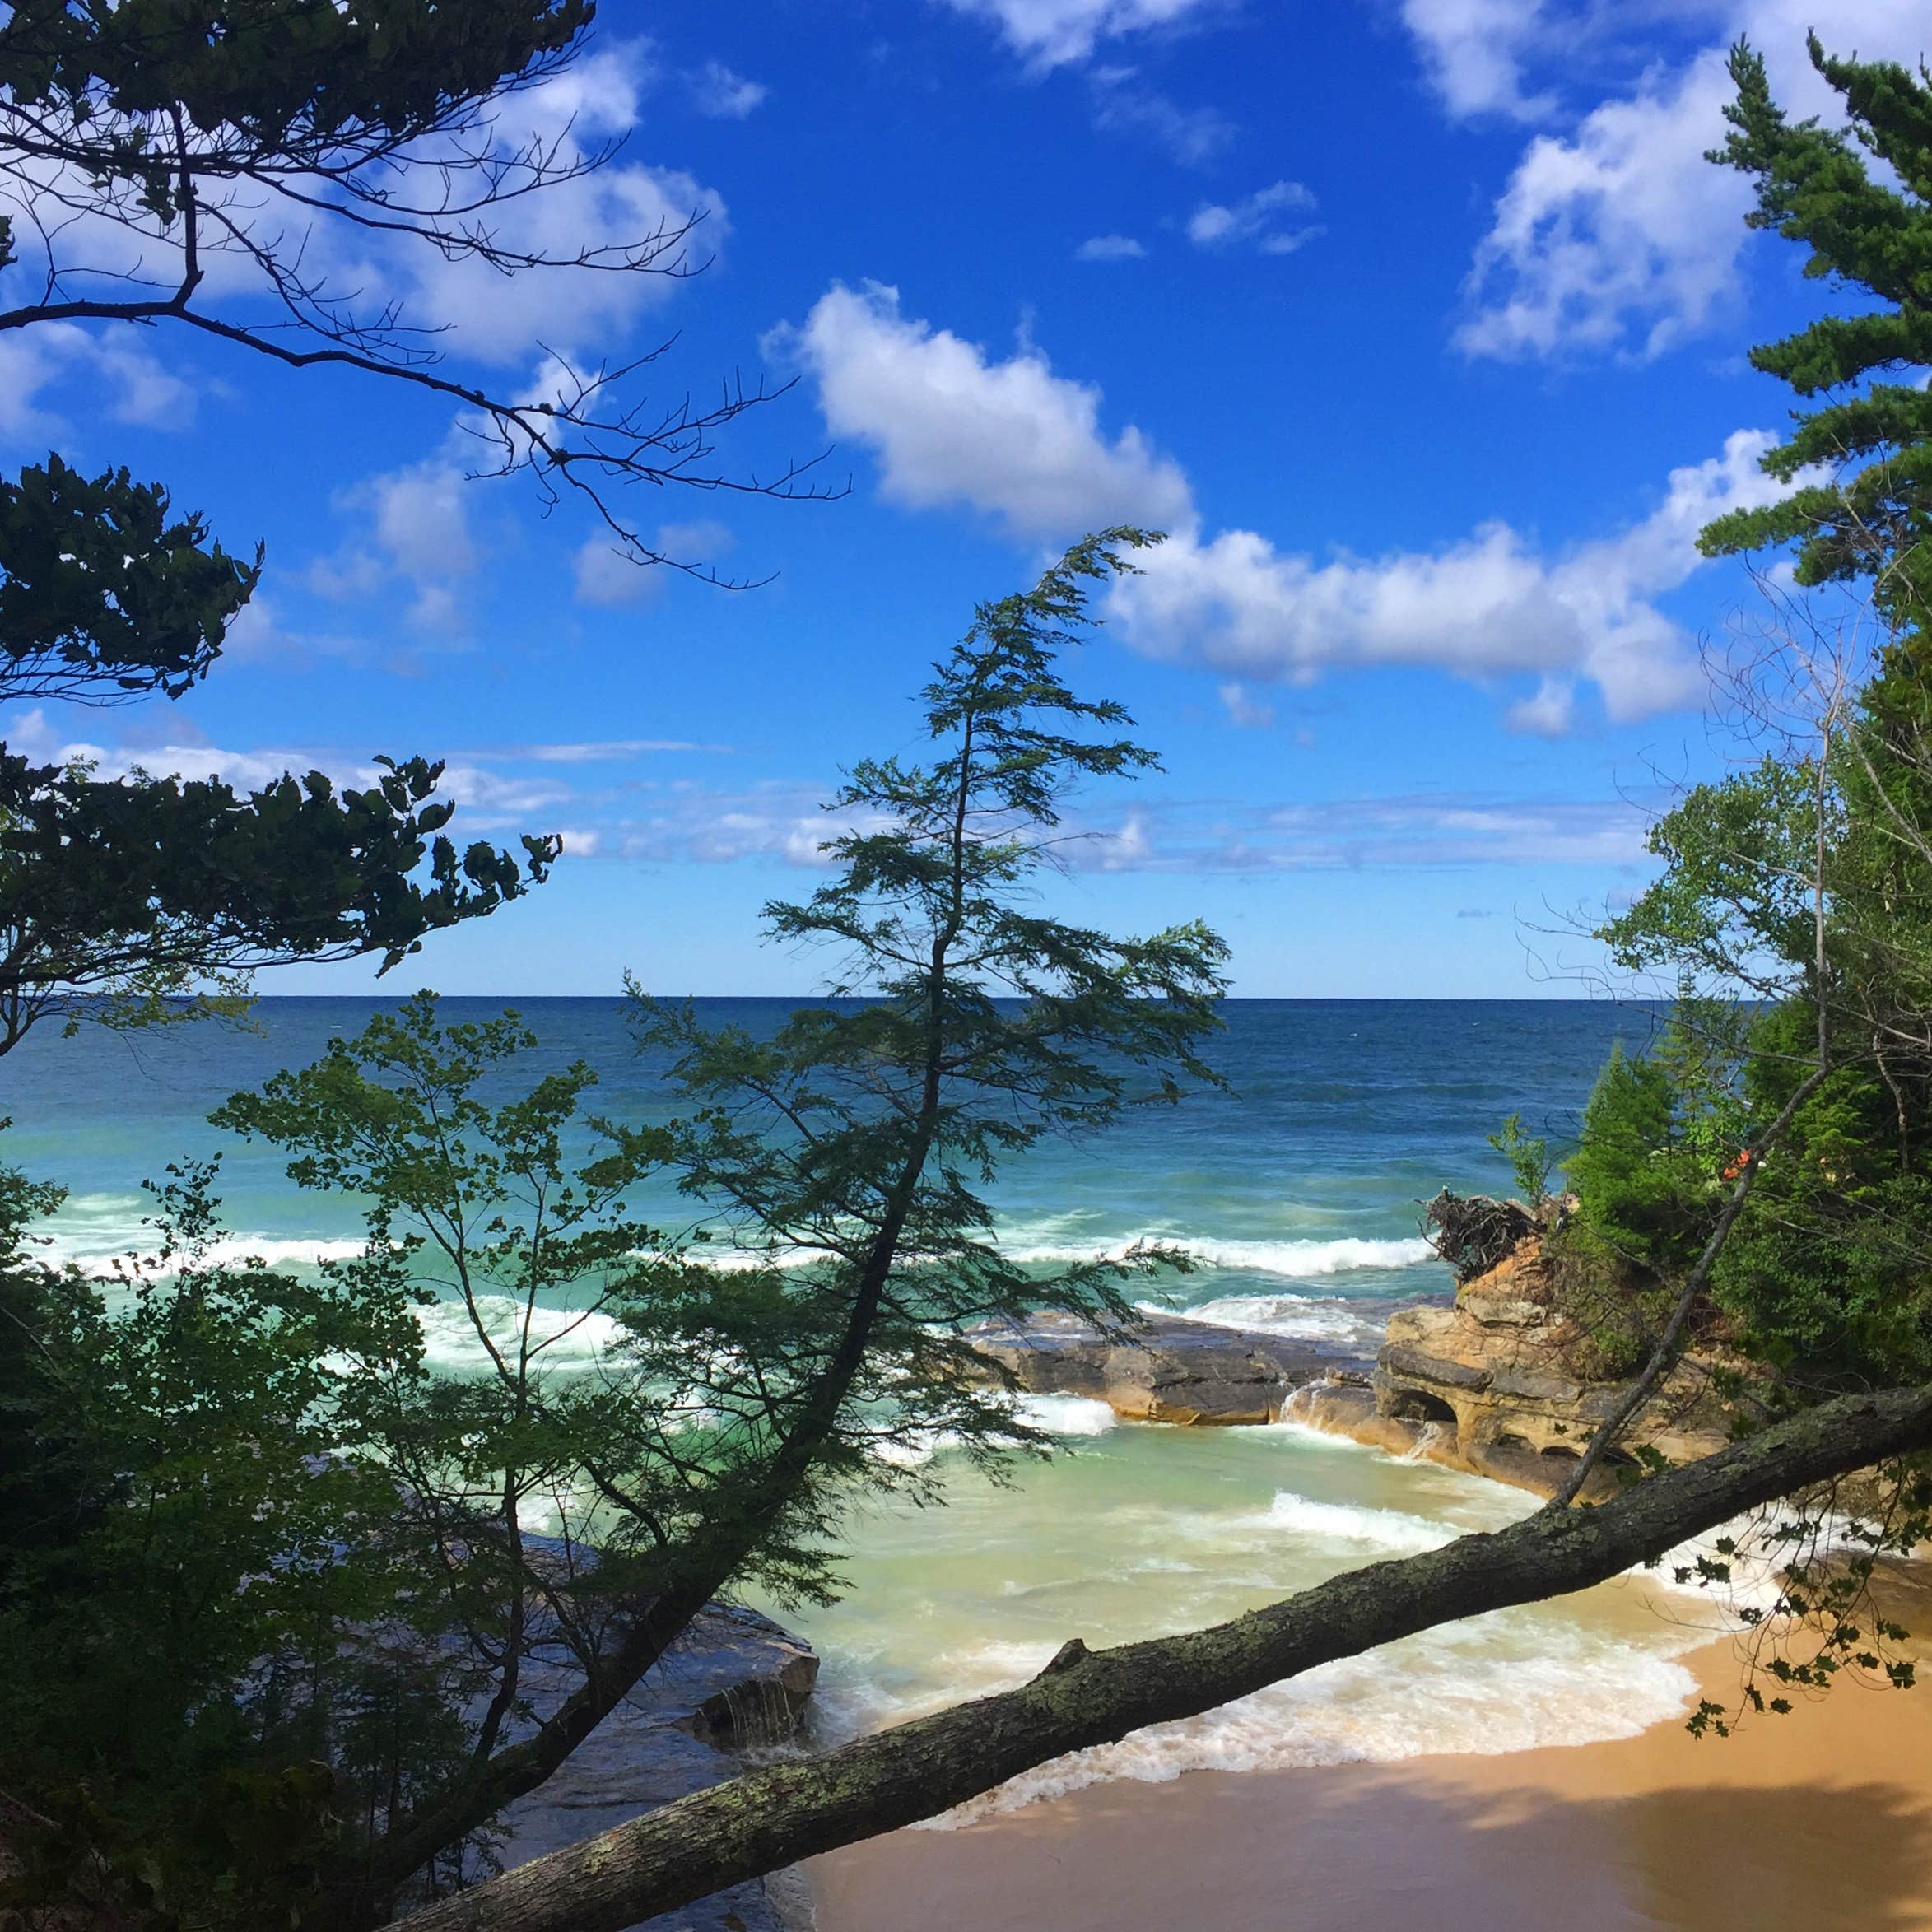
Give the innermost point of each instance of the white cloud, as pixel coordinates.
(607, 575)
(1549, 711)
(33, 735)
(422, 517)
(121, 382)
(1014, 440)
(1124, 104)
(1623, 234)
(1489, 606)
(1255, 222)
(682, 821)
(1619, 236)
(498, 319)
(1053, 33)
(1250, 713)
(716, 91)
(414, 529)
(504, 318)
(483, 314)
(490, 799)
(257, 633)
(773, 820)
(949, 425)
(1109, 248)
(597, 750)
(1446, 830)
(779, 822)
(1473, 52)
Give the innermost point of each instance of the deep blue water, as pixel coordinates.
(1298, 1187)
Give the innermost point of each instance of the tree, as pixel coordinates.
(771, 1818)
(860, 1137)
(105, 597)
(1772, 883)
(269, 176)
(196, 1555)
(735, 1407)
(1801, 885)
(1862, 462)
(119, 897)
(244, 173)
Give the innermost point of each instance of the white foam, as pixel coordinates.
(570, 1339)
(1055, 1415)
(97, 1251)
(916, 1451)
(1066, 1415)
(1287, 1428)
(95, 1230)
(1306, 1317)
(1296, 1261)
(1394, 1531)
(1484, 1687)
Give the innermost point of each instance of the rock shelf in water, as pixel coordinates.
(1166, 1369)
(1487, 1385)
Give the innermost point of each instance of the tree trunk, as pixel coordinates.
(772, 1817)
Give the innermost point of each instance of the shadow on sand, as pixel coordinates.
(1269, 1854)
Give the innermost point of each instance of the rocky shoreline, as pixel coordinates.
(1488, 1384)
(1164, 1369)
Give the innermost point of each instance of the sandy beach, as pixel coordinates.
(1821, 1818)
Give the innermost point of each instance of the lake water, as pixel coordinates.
(1297, 1191)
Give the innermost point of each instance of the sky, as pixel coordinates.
(1419, 325)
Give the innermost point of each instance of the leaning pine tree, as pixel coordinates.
(299, 1647)
(966, 1024)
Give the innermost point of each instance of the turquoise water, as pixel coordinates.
(1298, 1192)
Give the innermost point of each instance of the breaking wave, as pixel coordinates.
(1294, 1260)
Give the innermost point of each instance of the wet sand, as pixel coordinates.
(1819, 1820)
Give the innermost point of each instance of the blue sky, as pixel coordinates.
(1420, 325)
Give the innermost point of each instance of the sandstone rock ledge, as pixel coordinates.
(1170, 1369)
(1490, 1385)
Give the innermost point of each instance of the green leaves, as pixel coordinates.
(968, 1022)
(435, 1565)
(1872, 520)
(1528, 1156)
(289, 76)
(153, 884)
(104, 596)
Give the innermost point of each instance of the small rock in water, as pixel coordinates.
(733, 1681)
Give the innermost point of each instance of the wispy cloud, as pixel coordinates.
(1109, 248)
(1124, 104)
(1060, 32)
(1614, 235)
(724, 95)
(1258, 223)
(1249, 713)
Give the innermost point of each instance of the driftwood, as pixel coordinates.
(775, 1817)
(1473, 1232)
